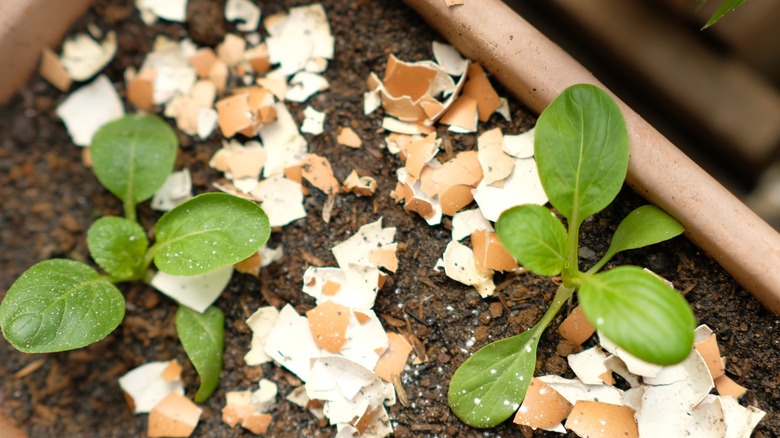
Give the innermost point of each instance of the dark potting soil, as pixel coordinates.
(49, 199)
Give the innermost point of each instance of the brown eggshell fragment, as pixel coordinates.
(172, 372)
(52, 70)
(359, 185)
(330, 288)
(462, 114)
(349, 138)
(384, 258)
(174, 416)
(257, 423)
(490, 253)
(725, 386)
(420, 206)
(394, 358)
(317, 171)
(328, 324)
(234, 114)
(362, 317)
(576, 328)
(202, 61)
(140, 90)
(478, 87)
(405, 79)
(231, 50)
(455, 198)
(543, 407)
(464, 169)
(595, 419)
(708, 348)
(250, 265)
(420, 152)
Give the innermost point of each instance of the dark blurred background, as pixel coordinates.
(715, 93)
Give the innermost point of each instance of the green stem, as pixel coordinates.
(562, 295)
(129, 208)
(572, 268)
(600, 263)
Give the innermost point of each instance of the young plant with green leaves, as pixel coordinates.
(60, 304)
(581, 151)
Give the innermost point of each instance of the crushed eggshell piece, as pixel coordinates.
(523, 186)
(369, 238)
(261, 322)
(290, 343)
(52, 70)
(460, 265)
(245, 12)
(176, 189)
(449, 59)
(496, 164)
(589, 366)
(574, 390)
(466, 223)
(148, 384)
(197, 292)
(304, 85)
(462, 116)
(727, 387)
(88, 108)
(281, 199)
(140, 88)
(420, 152)
(231, 49)
(313, 122)
(739, 420)
(298, 37)
(394, 359)
(328, 324)
(543, 407)
(490, 253)
(171, 10)
(576, 328)
(597, 419)
(316, 169)
(707, 346)
(478, 88)
(172, 372)
(174, 416)
(360, 185)
(521, 145)
(348, 137)
(82, 57)
(240, 161)
(282, 141)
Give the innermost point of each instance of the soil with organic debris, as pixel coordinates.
(49, 199)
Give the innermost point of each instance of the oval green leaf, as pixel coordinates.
(133, 156)
(203, 337)
(207, 232)
(640, 313)
(59, 305)
(118, 246)
(581, 149)
(490, 385)
(647, 225)
(535, 237)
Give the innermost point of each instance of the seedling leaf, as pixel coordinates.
(535, 237)
(133, 156)
(490, 385)
(581, 149)
(207, 232)
(723, 9)
(59, 305)
(203, 337)
(640, 313)
(647, 225)
(118, 245)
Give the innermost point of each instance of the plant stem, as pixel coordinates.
(562, 295)
(129, 208)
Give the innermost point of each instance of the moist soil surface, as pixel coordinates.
(49, 199)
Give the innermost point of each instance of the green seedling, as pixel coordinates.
(725, 7)
(59, 304)
(581, 151)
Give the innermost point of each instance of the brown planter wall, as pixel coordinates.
(536, 71)
(26, 27)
